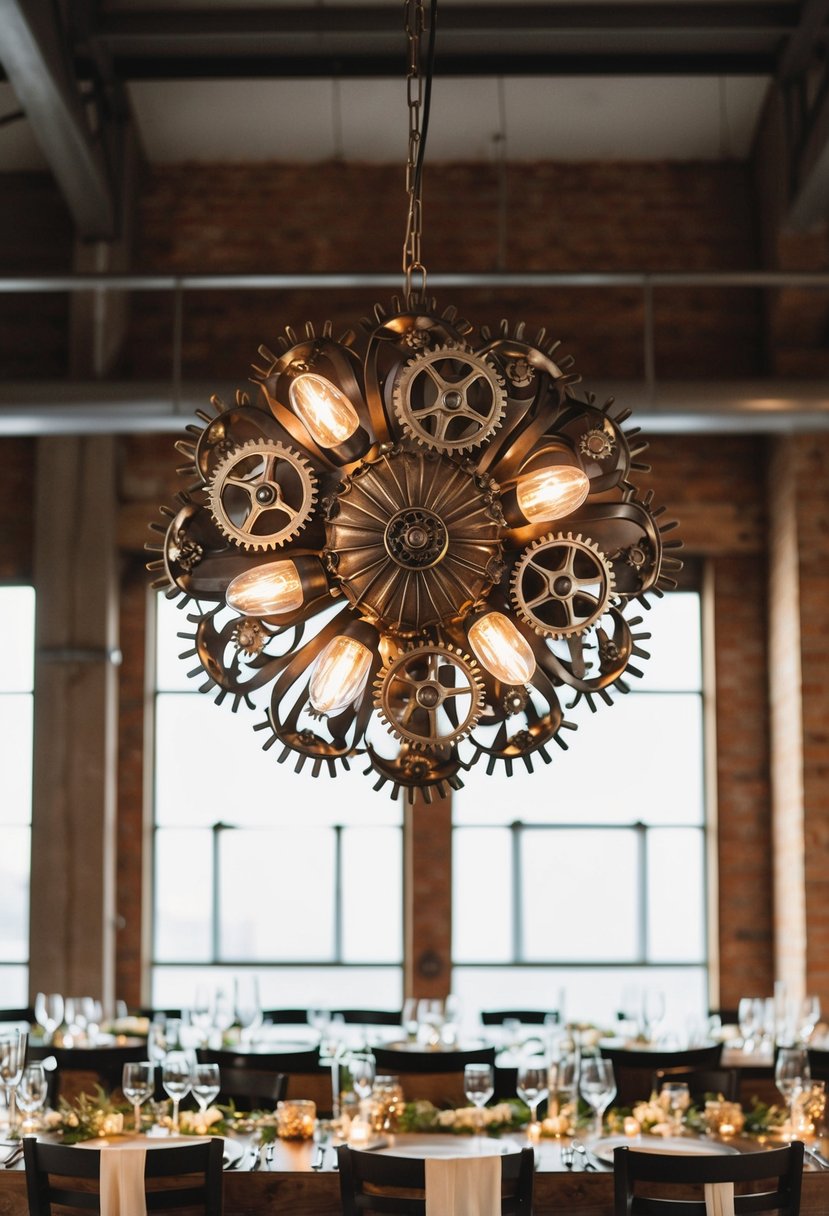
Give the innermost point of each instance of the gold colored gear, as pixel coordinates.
(562, 585)
(261, 494)
(412, 688)
(450, 399)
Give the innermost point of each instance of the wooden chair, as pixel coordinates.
(304, 1076)
(188, 1176)
(819, 1064)
(436, 1076)
(252, 1088)
(702, 1081)
(634, 1069)
(528, 1017)
(286, 1017)
(18, 1015)
(371, 1182)
(781, 1167)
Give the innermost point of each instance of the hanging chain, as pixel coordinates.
(412, 264)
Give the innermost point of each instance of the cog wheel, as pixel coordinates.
(450, 399)
(430, 696)
(597, 443)
(249, 636)
(261, 494)
(562, 585)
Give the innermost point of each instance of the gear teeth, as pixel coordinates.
(275, 540)
(604, 568)
(460, 659)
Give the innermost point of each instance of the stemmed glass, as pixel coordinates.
(409, 1019)
(790, 1072)
(137, 1083)
(653, 1011)
(749, 1018)
(48, 1012)
(479, 1086)
(12, 1058)
(809, 1016)
(248, 1007)
(677, 1099)
(597, 1085)
(532, 1088)
(205, 1084)
(362, 1067)
(562, 1080)
(177, 1080)
(31, 1094)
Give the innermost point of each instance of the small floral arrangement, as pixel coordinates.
(210, 1122)
(653, 1117)
(89, 1116)
(466, 1120)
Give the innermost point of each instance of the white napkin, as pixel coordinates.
(463, 1186)
(122, 1181)
(719, 1198)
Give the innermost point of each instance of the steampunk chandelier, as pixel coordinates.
(423, 529)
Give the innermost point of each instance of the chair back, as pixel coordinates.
(702, 1081)
(370, 1017)
(634, 1069)
(642, 1181)
(436, 1076)
(819, 1064)
(373, 1182)
(286, 1017)
(181, 1177)
(528, 1017)
(304, 1076)
(252, 1088)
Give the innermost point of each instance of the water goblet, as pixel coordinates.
(205, 1084)
(790, 1072)
(248, 1007)
(201, 1014)
(12, 1058)
(409, 1019)
(32, 1091)
(597, 1085)
(479, 1086)
(653, 1012)
(532, 1087)
(177, 1080)
(676, 1099)
(48, 1013)
(137, 1082)
(808, 1018)
(749, 1020)
(562, 1083)
(362, 1067)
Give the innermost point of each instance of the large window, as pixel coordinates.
(586, 880)
(256, 868)
(17, 622)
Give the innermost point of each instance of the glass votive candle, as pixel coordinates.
(360, 1133)
(387, 1103)
(724, 1118)
(631, 1126)
(296, 1119)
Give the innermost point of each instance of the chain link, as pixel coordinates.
(412, 264)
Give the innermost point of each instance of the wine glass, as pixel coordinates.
(205, 1084)
(532, 1087)
(12, 1058)
(362, 1067)
(93, 1013)
(479, 1086)
(137, 1083)
(677, 1099)
(653, 1012)
(31, 1093)
(597, 1085)
(562, 1081)
(177, 1080)
(409, 1018)
(248, 1007)
(748, 1017)
(201, 1014)
(48, 1013)
(790, 1072)
(808, 1018)
(429, 1021)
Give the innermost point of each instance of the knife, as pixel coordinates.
(13, 1157)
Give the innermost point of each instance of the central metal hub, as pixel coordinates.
(265, 495)
(563, 585)
(428, 695)
(416, 538)
(453, 399)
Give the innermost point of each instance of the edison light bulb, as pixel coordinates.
(266, 591)
(552, 493)
(501, 649)
(339, 674)
(328, 415)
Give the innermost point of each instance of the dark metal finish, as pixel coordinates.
(35, 59)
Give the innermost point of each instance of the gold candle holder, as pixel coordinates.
(724, 1118)
(387, 1104)
(296, 1119)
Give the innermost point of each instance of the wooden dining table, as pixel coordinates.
(289, 1184)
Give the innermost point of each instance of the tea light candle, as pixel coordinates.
(631, 1126)
(295, 1120)
(359, 1133)
(534, 1132)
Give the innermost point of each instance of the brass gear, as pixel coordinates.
(562, 584)
(450, 399)
(261, 494)
(414, 687)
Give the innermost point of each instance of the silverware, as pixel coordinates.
(14, 1156)
(567, 1156)
(819, 1160)
(319, 1157)
(256, 1154)
(586, 1160)
(269, 1152)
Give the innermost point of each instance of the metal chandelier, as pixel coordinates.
(421, 540)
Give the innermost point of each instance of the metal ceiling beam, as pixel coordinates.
(514, 39)
(36, 62)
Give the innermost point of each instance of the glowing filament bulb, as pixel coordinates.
(552, 493)
(501, 649)
(266, 591)
(328, 415)
(339, 674)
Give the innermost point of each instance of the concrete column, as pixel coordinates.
(73, 832)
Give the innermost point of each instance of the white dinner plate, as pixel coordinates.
(677, 1146)
(436, 1145)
